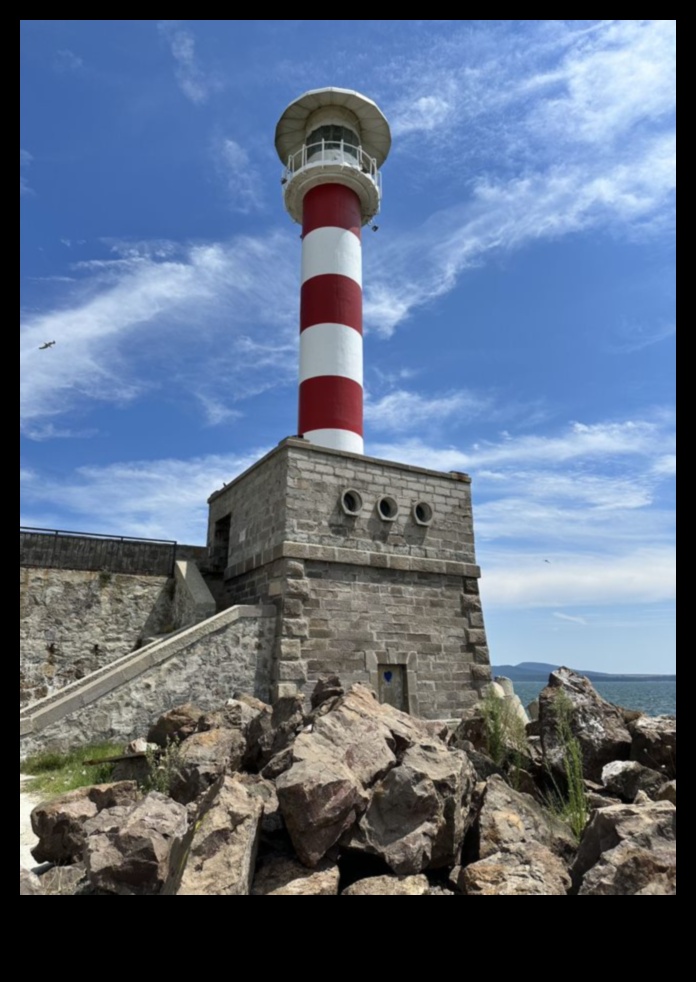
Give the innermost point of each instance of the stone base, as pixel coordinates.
(371, 567)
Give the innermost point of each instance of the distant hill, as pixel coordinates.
(538, 671)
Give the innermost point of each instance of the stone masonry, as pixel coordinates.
(371, 567)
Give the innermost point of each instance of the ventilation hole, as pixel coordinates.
(423, 513)
(351, 502)
(387, 508)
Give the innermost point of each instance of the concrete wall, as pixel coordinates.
(355, 593)
(203, 664)
(88, 619)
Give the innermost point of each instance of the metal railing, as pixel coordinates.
(333, 152)
(58, 549)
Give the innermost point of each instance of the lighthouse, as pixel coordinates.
(332, 143)
(358, 567)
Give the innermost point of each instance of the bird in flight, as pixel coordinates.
(46, 344)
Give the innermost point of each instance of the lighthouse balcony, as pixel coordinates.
(332, 161)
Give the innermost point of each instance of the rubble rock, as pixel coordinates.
(389, 886)
(668, 792)
(510, 820)
(29, 883)
(416, 816)
(127, 847)
(630, 870)
(62, 881)
(59, 823)
(272, 730)
(328, 688)
(203, 757)
(595, 723)
(264, 790)
(654, 743)
(280, 876)
(336, 761)
(649, 827)
(626, 778)
(175, 725)
(529, 870)
(217, 855)
(234, 715)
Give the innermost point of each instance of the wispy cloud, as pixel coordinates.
(637, 576)
(241, 179)
(569, 617)
(635, 337)
(25, 158)
(128, 318)
(194, 82)
(157, 498)
(66, 61)
(580, 122)
(405, 411)
(216, 412)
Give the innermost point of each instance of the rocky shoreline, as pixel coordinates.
(352, 797)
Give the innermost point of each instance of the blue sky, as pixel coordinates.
(519, 294)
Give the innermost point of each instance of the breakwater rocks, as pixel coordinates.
(352, 797)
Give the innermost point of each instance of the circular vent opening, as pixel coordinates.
(351, 502)
(422, 513)
(387, 508)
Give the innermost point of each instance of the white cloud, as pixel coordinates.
(639, 576)
(569, 617)
(155, 499)
(635, 337)
(129, 318)
(579, 121)
(402, 410)
(216, 412)
(196, 84)
(241, 179)
(66, 61)
(25, 158)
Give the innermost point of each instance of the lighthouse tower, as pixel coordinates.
(358, 567)
(332, 143)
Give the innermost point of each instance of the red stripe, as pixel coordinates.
(331, 402)
(331, 204)
(331, 299)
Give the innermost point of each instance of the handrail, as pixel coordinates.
(332, 152)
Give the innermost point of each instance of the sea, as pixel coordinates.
(653, 698)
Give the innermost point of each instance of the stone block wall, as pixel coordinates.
(73, 622)
(360, 595)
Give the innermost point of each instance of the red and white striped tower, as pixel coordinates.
(332, 143)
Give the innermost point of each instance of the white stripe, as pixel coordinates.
(336, 440)
(331, 250)
(331, 349)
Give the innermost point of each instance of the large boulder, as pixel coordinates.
(281, 876)
(202, 758)
(336, 762)
(175, 725)
(389, 886)
(626, 778)
(217, 855)
(510, 821)
(418, 813)
(236, 714)
(529, 870)
(615, 850)
(29, 883)
(596, 724)
(654, 743)
(59, 823)
(127, 847)
(272, 730)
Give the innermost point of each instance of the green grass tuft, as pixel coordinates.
(55, 773)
